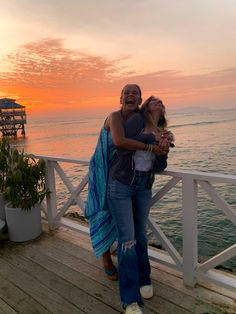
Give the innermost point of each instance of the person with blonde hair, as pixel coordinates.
(131, 176)
(156, 122)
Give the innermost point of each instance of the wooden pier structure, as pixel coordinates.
(58, 273)
(12, 117)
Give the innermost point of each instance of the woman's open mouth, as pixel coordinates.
(130, 101)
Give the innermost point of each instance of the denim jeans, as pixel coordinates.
(129, 205)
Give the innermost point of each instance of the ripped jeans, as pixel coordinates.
(129, 205)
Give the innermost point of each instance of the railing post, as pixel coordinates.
(190, 241)
(52, 199)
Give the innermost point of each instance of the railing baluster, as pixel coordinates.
(190, 247)
(52, 199)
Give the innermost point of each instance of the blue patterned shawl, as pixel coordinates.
(102, 227)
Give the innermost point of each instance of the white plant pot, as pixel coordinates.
(23, 225)
(2, 207)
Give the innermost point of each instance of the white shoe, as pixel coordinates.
(146, 291)
(133, 308)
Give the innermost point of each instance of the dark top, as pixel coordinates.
(122, 167)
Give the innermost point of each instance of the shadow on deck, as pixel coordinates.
(58, 273)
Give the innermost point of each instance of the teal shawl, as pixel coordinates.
(102, 227)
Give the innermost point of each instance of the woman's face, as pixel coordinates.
(156, 105)
(130, 97)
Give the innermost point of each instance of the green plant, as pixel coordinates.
(4, 155)
(25, 183)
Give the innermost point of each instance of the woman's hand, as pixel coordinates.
(169, 136)
(160, 150)
(164, 144)
(157, 136)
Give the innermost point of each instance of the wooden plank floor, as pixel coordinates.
(58, 273)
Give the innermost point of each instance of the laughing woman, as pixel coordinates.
(103, 230)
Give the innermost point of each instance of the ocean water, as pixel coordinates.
(205, 141)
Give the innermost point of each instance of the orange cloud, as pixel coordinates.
(44, 76)
(48, 73)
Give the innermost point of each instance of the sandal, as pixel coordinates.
(112, 274)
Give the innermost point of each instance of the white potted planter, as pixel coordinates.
(25, 190)
(23, 225)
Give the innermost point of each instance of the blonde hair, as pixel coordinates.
(162, 122)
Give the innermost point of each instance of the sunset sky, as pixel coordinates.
(76, 54)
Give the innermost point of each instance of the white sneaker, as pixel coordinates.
(146, 291)
(133, 308)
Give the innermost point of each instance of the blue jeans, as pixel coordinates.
(129, 205)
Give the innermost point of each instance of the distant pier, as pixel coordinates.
(12, 117)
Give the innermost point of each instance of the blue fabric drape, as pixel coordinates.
(102, 228)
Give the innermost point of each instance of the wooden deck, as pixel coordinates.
(58, 273)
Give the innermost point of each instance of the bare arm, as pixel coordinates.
(118, 134)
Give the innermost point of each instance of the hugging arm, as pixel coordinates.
(130, 136)
(128, 140)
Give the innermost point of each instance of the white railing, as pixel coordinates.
(188, 264)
